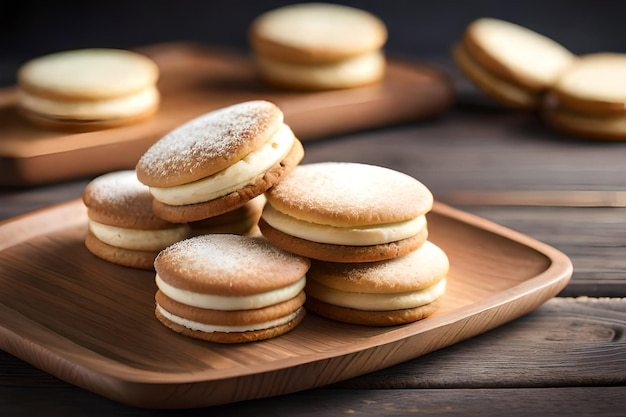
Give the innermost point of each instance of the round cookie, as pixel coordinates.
(512, 64)
(229, 288)
(590, 98)
(122, 228)
(219, 161)
(385, 293)
(88, 89)
(318, 46)
(347, 212)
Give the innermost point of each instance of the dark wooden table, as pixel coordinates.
(568, 357)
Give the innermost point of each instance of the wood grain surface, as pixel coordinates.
(575, 340)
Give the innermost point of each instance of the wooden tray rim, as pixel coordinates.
(123, 383)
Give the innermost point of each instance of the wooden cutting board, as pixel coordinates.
(196, 79)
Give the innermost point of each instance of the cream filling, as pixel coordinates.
(232, 178)
(136, 239)
(230, 303)
(212, 328)
(353, 236)
(119, 107)
(352, 71)
(376, 301)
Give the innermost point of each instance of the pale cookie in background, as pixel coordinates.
(318, 46)
(122, 228)
(88, 89)
(219, 161)
(512, 64)
(386, 293)
(229, 288)
(589, 99)
(347, 212)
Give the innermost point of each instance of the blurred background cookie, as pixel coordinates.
(512, 64)
(229, 288)
(589, 99)
(318, 46)
(122, 228)
(88, 89)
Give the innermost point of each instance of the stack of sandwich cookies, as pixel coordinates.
(229, 288)
(512, 64)
(122, 228)
(347, 212)
(364, 228)
(219, 161)
(589, 99)
(386, 293)
(318, 46)
(88, 89)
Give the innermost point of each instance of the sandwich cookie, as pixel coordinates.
(88, 89)
(589, 99)
(229, 288)
(347, 212)
(318, 46)
(219, 161)
(385, 293)
(122, 228)
(512, 64)
(241, 221)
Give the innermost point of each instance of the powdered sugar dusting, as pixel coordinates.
(123, 197)
(229, 264)
(345, 194)
(208, 143)
(120, 187)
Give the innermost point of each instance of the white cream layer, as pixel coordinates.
(230, 303)
(120, 107)
(136, 239)
(232, 178)
(211, 328)
(353, 236)
(376, 302)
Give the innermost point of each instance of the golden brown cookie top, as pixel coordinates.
(415, 271)
(209, 143)
(119, 199)
(348, 194)
(229, 265)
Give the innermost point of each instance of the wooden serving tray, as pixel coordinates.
(194, 80)
(92, 323)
